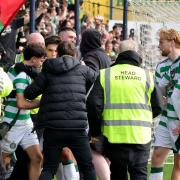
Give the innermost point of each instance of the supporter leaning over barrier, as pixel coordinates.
(63, 84)
(124, 120)
(21, 133)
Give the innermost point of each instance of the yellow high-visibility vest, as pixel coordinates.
(127, 115)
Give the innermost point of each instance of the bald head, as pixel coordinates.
(36, 38)
(128, 45)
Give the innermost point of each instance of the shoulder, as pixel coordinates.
(166, 62)
(84, 69)
(22, 78)
(21, 75)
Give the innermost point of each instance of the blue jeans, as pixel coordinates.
(77, 141)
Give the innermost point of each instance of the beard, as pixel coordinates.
(165, 52)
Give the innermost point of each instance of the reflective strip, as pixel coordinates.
(127, 106)
(107, 86)
(147, 86)
(127, 123)
(109, 105)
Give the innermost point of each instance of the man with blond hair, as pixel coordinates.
(169, 44)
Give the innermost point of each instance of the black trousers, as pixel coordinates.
(126, 158)
(77, 141)
(137, 171)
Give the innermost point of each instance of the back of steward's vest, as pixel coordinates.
(127, 114)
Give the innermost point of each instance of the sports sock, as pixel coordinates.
(71, 171)
(156, 173)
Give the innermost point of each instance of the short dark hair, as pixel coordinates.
(116, 26)
(64, 29)
(66, 48)
(52, 40)
(33, 50)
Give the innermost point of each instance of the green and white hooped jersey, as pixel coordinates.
(172, 80)
(20, 82)
(162, 68)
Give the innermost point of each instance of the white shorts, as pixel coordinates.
(19, 135)
(164, 136)
(175, 139)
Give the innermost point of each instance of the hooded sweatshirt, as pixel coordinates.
(92, 53)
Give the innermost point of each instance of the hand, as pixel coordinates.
(176, 131)
(26, 18)
(94, 140)
(165, 100)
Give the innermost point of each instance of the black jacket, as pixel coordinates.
(91, 51)
(9, 44)
(97, 59)
(64, 83)
(95, 102)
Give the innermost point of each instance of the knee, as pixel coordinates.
(6, 159)
(37, 158)
(66, 154)
(157, 158)
(156, 155)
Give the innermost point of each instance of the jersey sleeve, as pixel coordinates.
(21, 82)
